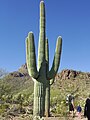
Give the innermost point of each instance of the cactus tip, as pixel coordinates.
(42, 1)
(60, 37)
(30, 32)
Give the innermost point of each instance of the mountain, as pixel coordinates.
(16, 91)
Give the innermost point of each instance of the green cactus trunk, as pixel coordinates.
(41, 74)
(47, 100)
(47, 97)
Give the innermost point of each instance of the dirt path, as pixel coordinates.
(49, 118)
(67, 118)
(59, 118)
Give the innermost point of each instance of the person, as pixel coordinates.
(70, 100)
(79, 109)
(87, 108)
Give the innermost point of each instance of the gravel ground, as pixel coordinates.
(49, 118)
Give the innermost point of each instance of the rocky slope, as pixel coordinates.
(16, 92)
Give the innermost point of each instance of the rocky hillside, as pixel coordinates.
(74, 82)
(16, 91)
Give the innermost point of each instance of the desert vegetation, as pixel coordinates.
(16, 93)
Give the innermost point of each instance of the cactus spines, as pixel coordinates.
(40, 73)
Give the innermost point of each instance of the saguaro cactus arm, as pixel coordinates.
(41, 47)
(30, 56)
(56, 61)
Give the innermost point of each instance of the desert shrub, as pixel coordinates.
(3, 107)
(62, 109)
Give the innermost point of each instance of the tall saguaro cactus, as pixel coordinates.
(41, 74)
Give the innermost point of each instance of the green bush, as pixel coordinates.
(3, 107)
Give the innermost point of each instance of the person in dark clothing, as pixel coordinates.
(87, 108)
(70, 101)
(71, 107)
